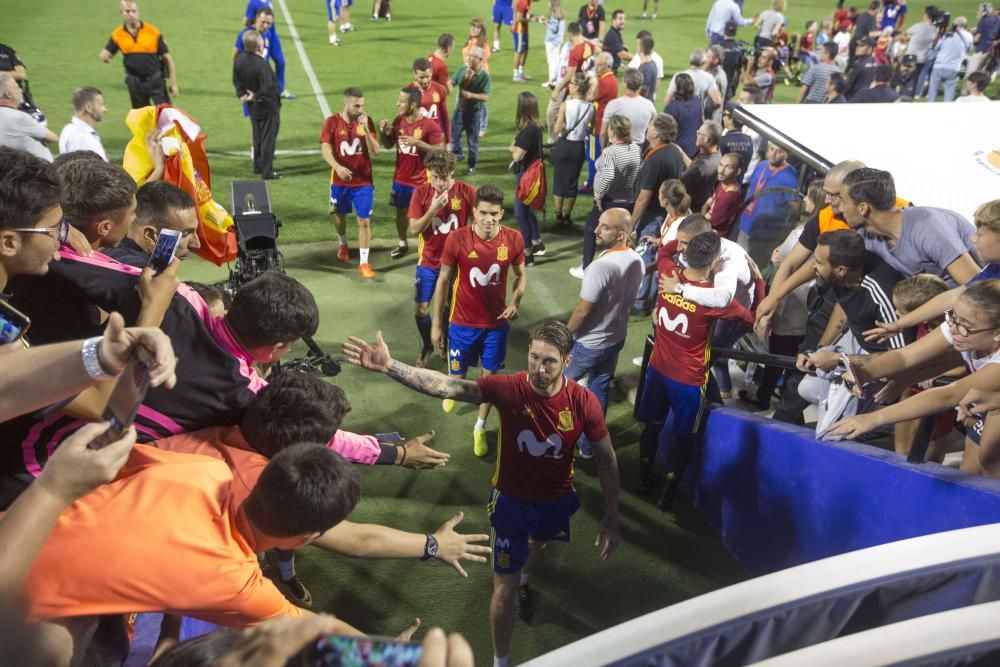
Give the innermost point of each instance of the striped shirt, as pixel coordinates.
(816, 77)
(617, 169)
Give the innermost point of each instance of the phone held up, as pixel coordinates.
(164, 250)
(126, 397)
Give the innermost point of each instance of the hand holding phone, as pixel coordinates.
(126, 397)
(164, 250)
(13, 323)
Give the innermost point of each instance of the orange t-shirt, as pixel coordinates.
(473, 43)
(166, 535)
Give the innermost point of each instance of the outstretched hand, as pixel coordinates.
(608, 537)
(420, 457)
(454, 547)
(361, 353)
(407, 633)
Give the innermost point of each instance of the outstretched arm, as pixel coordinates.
(609, 530)
(376, 358)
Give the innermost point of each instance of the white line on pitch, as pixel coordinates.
(313, 81)
(313, 151)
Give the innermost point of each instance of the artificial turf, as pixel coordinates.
(664, 557)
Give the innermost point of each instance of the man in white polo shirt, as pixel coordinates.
(79, 134)
(600, 319)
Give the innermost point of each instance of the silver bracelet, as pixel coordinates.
(91, 360)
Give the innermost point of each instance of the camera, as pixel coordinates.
(940, 20)
(257, 252)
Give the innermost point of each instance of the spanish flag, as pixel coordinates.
(186, 167)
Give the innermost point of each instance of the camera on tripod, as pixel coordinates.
(257, 252)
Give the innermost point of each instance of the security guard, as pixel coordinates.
(146, 56)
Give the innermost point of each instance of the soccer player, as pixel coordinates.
(581, 58)
(542, 415)
(434, 103)
(439, 59)
(522, 19)
(348, 143)
(479, 257)
(503, 12)
(341, 10)
(262, 20)
(437, 208)
(413, 135)
(677, 371)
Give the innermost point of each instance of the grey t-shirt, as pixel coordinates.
(931, 239)
(769, 21)
(21, 131)
(921, 36)
(638, 110)
(611, 284)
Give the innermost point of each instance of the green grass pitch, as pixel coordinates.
(664, 558)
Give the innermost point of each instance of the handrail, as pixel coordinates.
(807, 155)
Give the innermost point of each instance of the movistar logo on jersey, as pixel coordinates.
(551, 447)
(431, 113)
(443, 227)
(491, 277)
(350, 148)
(678, 324)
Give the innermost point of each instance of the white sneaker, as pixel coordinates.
(518, 79)
(577, 272)
(334, 41)
(637, 361)
(347, 27)
(496, 46)
(388, 18)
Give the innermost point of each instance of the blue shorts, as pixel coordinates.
(520, 42)
(361, 198)
(513, 521)
(661, 396)
(424, 282)
(467, 344)
(975, 432)
(503, 12)
(333, 8)
(401, 195)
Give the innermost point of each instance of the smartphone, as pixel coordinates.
(344, 651)
(164, 250)
(850, 378)
(13, 323)
(126, 397)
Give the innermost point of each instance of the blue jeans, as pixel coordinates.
(526, 218)
(925, 73)
(727, 333)
(949, 77)
(598, 364)
(469, 122)
(650, 281)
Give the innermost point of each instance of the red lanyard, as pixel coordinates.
(760, 184)
(650, 153)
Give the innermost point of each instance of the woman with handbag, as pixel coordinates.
(572, 124)
(525, 150)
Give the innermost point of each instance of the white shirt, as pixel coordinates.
(78, 135)
(21, 131)
(974, 362)
(733, 279)
(722, 12)
(655, 57)
(973, 98)
(637, 109)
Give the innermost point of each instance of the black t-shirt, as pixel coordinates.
(701, 178)
(613, 43)
(863, 25)
(529, 139)
(660, 164)
(733, 61)
(129, 252)
(739, 143)
(810, 232)
(871, 301)
(861, 76)
(878, 94)
(590, 26)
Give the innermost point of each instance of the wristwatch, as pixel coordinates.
(92, 361)
(679, 289)
(430, 548)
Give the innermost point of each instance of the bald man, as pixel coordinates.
(600, 319)
(146, 57)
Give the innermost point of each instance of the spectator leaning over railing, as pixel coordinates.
(970, 336)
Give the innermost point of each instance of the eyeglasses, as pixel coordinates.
(60, 231)
(831, 196)
(962, 328)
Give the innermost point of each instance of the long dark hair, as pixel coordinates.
(527, 111)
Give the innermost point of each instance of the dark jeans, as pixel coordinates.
(783, 345)
(141, 91)
(727, 333)
(464, 120)
(525, 216)
(650, 281)
(791, 406)
(265, 135)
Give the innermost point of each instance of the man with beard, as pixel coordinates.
(79, 134)
(434, 103)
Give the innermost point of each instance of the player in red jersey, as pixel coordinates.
(434, 103)
(478, 257)
(522, 20)
(580, 59)
(348, 143)
(542, 415)
(413, 135)
(437, 208)
(678, 368)
(438, 59)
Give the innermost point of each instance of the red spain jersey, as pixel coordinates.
(607, 90)
(439, 70)
(410, 159)
(434, 105)
(455, 215)
(479, 293)
(581, 56)
(684, 330)
(538, 434)
(522, 7)
(349, 149)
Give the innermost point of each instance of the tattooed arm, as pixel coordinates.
(376, 358)
(608, 532)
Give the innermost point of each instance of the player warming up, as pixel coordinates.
(413, 135)
(479, 257)
(542, 415)
(436, 209)
(348, 143)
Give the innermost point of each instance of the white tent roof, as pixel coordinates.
(945, 155)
